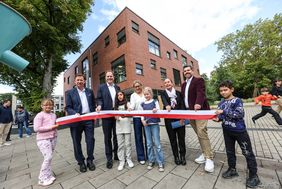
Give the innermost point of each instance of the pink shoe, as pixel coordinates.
(45, 183)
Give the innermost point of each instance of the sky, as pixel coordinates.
(194, 25)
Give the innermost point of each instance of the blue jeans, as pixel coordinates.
(22, 125)
(154, 149)
(138, 133)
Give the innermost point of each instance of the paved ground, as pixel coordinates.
(20, 163)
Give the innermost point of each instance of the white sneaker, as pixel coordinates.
(27, 136)
(142, 162)
(209, 167)
(121, 165)
(7, 143)
(130, 163)
(150, 166)
(201, 159)
(52, 178)
(45, 183)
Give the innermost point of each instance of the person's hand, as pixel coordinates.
(77, 114)
(181, 121)
(117, 117)
(98, 109)
(55, 126)
(129, 109)
(216, 119)
(197, 107)
(217, 112)
(168, 108)
(155, 110)
(144, 123)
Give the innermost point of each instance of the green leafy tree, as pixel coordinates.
(252, 57)
(55, 25)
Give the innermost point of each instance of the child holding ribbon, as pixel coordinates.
(46, 128)
(123, 130)
(152, 131)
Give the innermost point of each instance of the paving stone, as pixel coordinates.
(171, 181)
(18, 182)
(84, 185)
(185, 171)
(142, 182)
(269, 179)
(116, 184)
(132, 174)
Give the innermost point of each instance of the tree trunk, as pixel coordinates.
(47, 81)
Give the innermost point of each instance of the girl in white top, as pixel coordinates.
(123, 130)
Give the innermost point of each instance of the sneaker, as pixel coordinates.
(130, 163)
(230, 173)
(209, 166)
(142, 162)
(254, 121)
(150, 166)
(161, 168)
(201, 159)
(121, 165)
(27, 136)
(7, 143)
(45, 183)
(52, 178)
(253, 181)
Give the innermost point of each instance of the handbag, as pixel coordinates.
(176, 124)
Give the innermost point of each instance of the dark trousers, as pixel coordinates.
(76, 134)
(268, 109)
(9, 134)
(109, 130)
(244, 142)
(176, 138)
(139, 132)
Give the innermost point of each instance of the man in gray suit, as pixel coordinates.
(79, 101)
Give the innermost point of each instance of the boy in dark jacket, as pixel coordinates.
(231, 113)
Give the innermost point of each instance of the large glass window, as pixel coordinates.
(154, 44)
(177, 79)
(175, 54)
(118, 67)
(121, 37)
(86, 72)
(95, 58)
(139, 69)
(107, 41)
(168, 55)
(153, 64)
(76, 70)
(184, 60)
(68, 80)
(102, 78)
(163, 74)
(135, 27)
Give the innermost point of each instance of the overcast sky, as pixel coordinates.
(194, 25)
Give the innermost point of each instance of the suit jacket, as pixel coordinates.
(179, 99)
(104, 98)
(196, 93)
(73, 103)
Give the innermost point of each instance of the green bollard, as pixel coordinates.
(14, 27)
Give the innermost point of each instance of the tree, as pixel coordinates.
(55, 25)
(252, 58)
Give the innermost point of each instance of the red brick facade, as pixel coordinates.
(135, 50)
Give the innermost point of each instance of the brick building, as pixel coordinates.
(133, 49)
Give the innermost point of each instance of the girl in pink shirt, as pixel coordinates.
(46, 128)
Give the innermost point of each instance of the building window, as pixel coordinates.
(175, 55)
(135, 27)
(153, 64)
(118, 67)
(95, 58)
(184, 60)
(163, 74)
(107, 41)
(139, 69)
(177, 79)
(68, 81)
(76, 70)
(64, 79)
(86, 72)
(121, 37)
(192, 62)
(102, 78)
(154, 44)
(168, 55)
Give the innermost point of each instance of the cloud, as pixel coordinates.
(101, 29)
(109, 14)
(197, 23)
(6, 89)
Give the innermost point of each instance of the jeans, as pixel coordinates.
(154, 149)
(22, 125)
(244, 142)
(139, 133)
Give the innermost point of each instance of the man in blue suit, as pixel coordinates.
(106, 101)
(79, 101)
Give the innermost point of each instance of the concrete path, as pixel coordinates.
(20, 163)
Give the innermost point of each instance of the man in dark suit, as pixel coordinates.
(106, 101)
(193, 91)
(79, 101)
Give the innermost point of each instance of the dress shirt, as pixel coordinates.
(113, 92)
(84, 102)
(188, 81)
